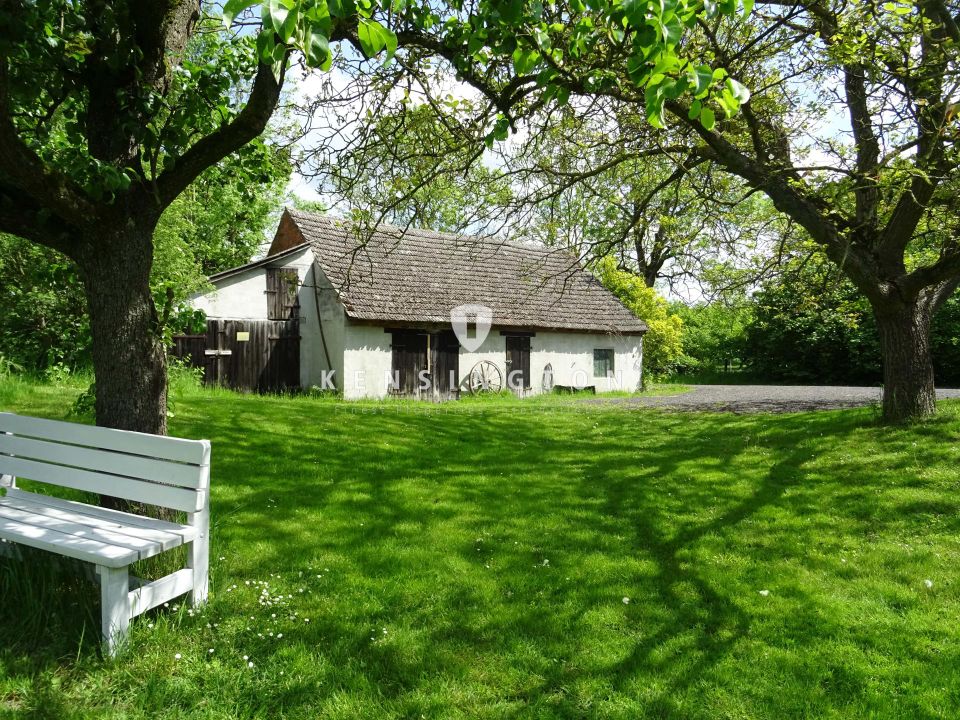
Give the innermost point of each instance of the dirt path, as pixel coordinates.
(768, 398)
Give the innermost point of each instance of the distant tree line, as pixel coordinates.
(807, 325)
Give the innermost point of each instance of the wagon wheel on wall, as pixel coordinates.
(485, 377)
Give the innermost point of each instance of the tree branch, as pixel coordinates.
(246, 126)
(26, 217)
(25, 170)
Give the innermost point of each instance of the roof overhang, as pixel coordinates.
(263, 262)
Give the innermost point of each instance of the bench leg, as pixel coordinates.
(115, 604)
(198, 559)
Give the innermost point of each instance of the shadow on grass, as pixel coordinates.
(501, 544)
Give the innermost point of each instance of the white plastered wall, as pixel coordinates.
(367, 360)
(244, 296)
(571, 357)
(368, 355)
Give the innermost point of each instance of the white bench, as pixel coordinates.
(162, 471)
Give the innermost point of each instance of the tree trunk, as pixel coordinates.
(129, 359)
(908, 387)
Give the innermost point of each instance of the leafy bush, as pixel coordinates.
(44, 321)
(181, 377)
(662, 345)
(8, 367)
(85, 406)
(812, 325)
(713, 336)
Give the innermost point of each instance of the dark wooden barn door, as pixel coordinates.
(260, 355)
(408, 358)
(518, 361)
(445, 365)
(436, 354)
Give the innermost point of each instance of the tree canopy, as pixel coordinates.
(105, 118)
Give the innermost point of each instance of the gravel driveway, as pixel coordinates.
(769, 398)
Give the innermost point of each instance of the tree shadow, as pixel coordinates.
(510, 490)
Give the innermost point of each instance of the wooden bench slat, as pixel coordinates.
(143, 547)
(63, 544)
(170, 535)
(151, 594)
(137, 490)
(107, 461)
(195, 452)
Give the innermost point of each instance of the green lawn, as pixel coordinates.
(542, 560)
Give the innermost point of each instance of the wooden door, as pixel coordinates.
(445, 365)
(408, 358)
(518, 361)
(260, 355)
(283, 294)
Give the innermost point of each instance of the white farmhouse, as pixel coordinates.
(369, 315)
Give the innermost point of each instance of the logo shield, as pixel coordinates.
(471, 324)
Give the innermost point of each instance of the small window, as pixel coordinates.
(603, 362)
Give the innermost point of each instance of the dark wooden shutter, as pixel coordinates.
(445, 364)
(283, 294)
(408, 358)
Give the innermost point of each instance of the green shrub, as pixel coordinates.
(663, 344)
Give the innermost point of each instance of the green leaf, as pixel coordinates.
(704, 78)
(672, 30)
(707, 118)
(265, 46)
(637, 69)
(319, 16)
(342, 8)
(274, 15)
(476, 43)
(391, 42)
(317, 50)
(694, 111)
(510, 10)
(525, 59)
(728, 102)
(289, 26)
(232, 8)
(635, 11)
(747, 7)
(374, 37)
(654, 98)
(738, 90)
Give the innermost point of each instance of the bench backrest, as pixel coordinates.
(164, 471)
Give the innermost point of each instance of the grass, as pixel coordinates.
(528, 560)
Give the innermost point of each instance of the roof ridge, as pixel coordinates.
(535, 246)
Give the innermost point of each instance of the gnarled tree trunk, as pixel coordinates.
(908, 384)
(129, 359)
